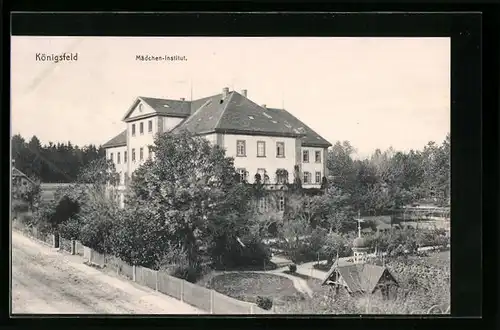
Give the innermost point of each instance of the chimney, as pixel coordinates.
(264, 106)
(225, 91)
(244, 92)
(183, 99)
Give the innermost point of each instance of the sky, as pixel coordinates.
(373, 92)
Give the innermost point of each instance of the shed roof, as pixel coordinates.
(359, 277)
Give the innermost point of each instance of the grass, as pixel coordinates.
(246, 286)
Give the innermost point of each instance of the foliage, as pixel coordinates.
(192, 189)
(264, 302)
(336, 244)
(292, 268)
(421, 286)
(281, 176)
(59, 162)
(388, 180)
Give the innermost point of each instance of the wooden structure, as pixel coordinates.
(20, 182)
(361, 278)
(356, 276)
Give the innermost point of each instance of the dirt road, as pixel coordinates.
(45, 281)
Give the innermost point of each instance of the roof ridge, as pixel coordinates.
(188, 119)
(224, 109)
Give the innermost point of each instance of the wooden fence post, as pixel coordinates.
(133, 273)
(73, 247)
(211, 301)
(156, 285)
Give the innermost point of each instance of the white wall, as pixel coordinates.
(270, 162)
(121, 168)
(147, 138)
(141, 109)
(170, 122)
(312, 167)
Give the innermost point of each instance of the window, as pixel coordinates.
(150, 152)
(307, 178)
(141, 128)
(118, 160)
(262, 173)
(133, 155)
(111, 156)
(124, 156)
(261, 149)
(240, 148)
(243, 174)
(281, 203)
(150, 126)
(317, 156)
(281, 176)
(262, 204)
(280, 149)
(141, 153)
(305, 156)
(318, 177)
(133, 129)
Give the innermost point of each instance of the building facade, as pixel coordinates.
(262, 140)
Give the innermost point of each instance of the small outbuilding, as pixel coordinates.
(361, 278)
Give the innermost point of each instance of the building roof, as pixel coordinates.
(360, 243)
(166, 107)
(118, 141)
(359, 277)
(17, 173)
(236, 114)
(233, 114)
(310, 138)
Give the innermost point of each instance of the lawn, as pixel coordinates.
(246, 286)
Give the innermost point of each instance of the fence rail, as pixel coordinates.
(203, 298)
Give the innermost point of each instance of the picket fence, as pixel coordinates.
(205, 299)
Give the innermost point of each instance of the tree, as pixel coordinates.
(340, 164)
(192, 187)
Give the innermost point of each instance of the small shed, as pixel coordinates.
(361, 278)
(20, 182)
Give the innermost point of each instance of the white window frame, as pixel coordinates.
(281, 203)
(278, 144)
(241, 143)
(317, 180)
(304, 178)
(263, 145)
(243, 174)
(305, 152)
(316, 153)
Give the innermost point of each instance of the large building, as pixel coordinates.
(260, 139)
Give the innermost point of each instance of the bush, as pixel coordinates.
(229, 253)
(264, 302)
(292, 268)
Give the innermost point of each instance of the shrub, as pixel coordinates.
(292, 268)
(264, 302)
(175, 262)
(229, 253)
